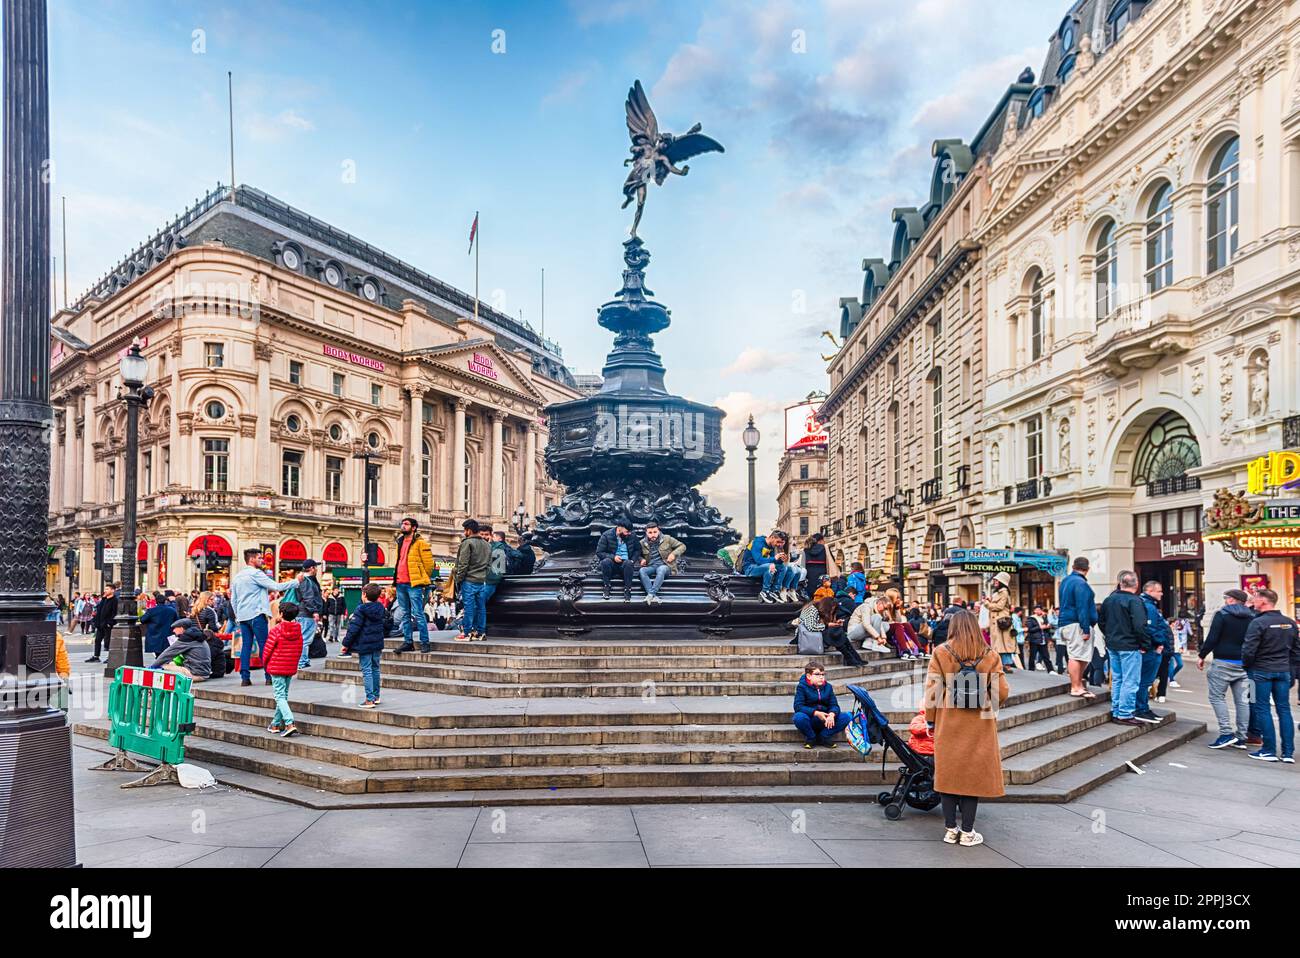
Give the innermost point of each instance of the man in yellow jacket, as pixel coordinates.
(414, 572)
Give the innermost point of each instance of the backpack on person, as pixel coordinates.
(317, 649)
(970, 688)
(497, 563)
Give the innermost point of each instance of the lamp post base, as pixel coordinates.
(36, 812)
(126, 648)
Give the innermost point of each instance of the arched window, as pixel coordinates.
(1221, 207)
(1160, 239)
(426, 473)
(1036, 315)
(936, 422)
(1105, 269)
(938, 548)
(1167, 451)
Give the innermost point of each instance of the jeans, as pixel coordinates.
(471, 598)
(815, 730)
(333, 634)
(609, 568)
(411, 599)
(280, 689)
(370, 673)
(1150, 668)
(1275, 686)
(652, 578)
(1223, 677)
(1126, 673)
(308, 625)
(775, 575)
(254, 630)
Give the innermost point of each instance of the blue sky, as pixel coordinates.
(827, 109)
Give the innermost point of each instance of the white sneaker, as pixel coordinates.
(766, 597)
(1173, 685)
(649, 599)
(951, 835)
(1160, 698)
(971, 838)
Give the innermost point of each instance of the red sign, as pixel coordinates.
(355, 358)
(481, 363)
(1254, 582)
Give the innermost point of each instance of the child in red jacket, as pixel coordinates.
(922, 740)
(280, 658)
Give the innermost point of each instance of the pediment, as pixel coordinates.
(485, 364)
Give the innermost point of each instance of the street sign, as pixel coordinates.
(112, 556)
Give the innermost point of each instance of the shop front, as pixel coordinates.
(1033, 573)
(1265, 538)
(212, 556)
(292, 555)
(1176, 560)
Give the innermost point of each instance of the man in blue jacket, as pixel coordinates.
(768, 558)
(1162, 637)
(157, 624)
(816, 712)
(1075, 621)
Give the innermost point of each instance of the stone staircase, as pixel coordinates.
(537, 721)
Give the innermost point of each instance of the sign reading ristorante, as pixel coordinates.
(355, 358)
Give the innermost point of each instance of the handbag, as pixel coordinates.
(810, 642)
(1004, 623)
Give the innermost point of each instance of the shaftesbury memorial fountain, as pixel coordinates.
(635, 452)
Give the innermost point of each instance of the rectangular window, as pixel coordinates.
(167, 465)
(934, 330)
(111, 489)
(896, 446)
(295, 372)
(334, 478)
(893, 369)
(216, 464)
(936, 424)
(965, 379)
(291, 473)
(426, 412)
(804, 497)
(426, 475)
(336, 384)
(214, 355)
(1034, 446)
(146, 473)
(803, 525)
(1171, 521)
(1191, 519)
(965, 299)
(803, 471)
(469, 425)
(376, 394)
(1141, 526)
(936, 256)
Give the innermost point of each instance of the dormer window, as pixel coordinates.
(1038, 102)
(289, 255)
(332, 274)
(1122, 13)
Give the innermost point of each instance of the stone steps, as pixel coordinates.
(776, 645)
(785, 665)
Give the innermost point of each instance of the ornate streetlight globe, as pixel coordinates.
(134, 368)
(750, 436)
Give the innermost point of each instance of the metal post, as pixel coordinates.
(127, 646)
(901, 524)
(36, 814)
(753, 508)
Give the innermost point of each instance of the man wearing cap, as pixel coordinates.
(1076, 619)
(1227, 634)
(311, 604)
(618, 552)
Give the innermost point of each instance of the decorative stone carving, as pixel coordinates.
(1258, 385)
(1086, 58)
(715, 622)
(1216, 287)
(1145, 56)
(1063, 444)
(1092, 438)
(1198, 379)
(185, 422)
(995, 465)
(263, 350)
(1112, 408)
(1225, 391)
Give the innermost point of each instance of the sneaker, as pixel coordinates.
(968, 839)
(830, 744)
(1126, 721)
(275, 729)
(1160, 698)
(649, 599)
(1223, 741)
(461, 637)
(606, 594)
(1173, 685)
(1254, 740)
(1264, 756)
(480, 636)
(766, 597)
(1288, 760)
(951, 835)
(809, 745)
(289, 730)
(93, 658)
(1151, 718)
(404, 648)
(627, 596)
(378, 701)
(367, 704)
(244, 682)
(1240, 743)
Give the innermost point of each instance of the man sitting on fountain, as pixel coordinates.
(659, 555)
(619, 551)
(766, 557)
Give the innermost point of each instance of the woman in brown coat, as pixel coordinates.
(963, 708)
(1002, 641)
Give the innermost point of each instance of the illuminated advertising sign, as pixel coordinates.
(1274, 542)
(802, 430)
(1277, 469)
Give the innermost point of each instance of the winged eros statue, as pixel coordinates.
(655, 154)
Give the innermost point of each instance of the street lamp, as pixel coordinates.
(750, 438)
(371, 475)
(900, 511)
(520, 523)
(127, 647)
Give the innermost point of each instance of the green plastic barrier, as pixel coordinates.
(150, 712)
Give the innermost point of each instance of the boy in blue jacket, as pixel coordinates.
(366, 638)
(816, 712)
(767, 558)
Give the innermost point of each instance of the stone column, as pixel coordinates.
(262, 351)
(457, 470)
(71, 461)
(88, 446)
(494, 484)
(179, 447)
(530, 470)
(415, 452)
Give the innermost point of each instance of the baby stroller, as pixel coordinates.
(916, 777)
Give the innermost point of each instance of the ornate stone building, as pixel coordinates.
(801, 492)
(907, 384)
(1141, 243)
(279, 348)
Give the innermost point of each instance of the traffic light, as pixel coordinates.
(99, 554)
(372, 553)
(69, 562)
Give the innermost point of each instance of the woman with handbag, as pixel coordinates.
(1002, 636)
(819, 627)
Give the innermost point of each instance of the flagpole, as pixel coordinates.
(477, 244)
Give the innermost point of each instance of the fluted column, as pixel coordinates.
(458, 491)
(415, 444)
(88, 447)
(530, 470)
(71, 461)
(262, 434)
(495, 507)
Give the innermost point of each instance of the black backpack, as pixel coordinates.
(970, 688)
(218, 650)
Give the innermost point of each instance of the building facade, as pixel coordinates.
(281, 350)
(1141, 244)
(802, 481)
(906, 388)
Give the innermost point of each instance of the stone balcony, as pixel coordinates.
(1140, 334)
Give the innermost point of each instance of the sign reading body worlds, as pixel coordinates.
(355, 358)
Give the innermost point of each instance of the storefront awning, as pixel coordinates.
(991, 561)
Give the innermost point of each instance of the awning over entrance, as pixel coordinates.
(335, 554)
(991, 561)
(216, 545)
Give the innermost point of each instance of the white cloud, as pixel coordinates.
(754, 360)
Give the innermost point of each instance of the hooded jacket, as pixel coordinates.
(1272, 643)
(366, 627)
(283, 649)
(1227, 633)
(809, 698)
(192, 646)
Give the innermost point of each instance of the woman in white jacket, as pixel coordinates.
(867, 626)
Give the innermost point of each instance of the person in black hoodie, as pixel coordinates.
(816, 711)
(1227, 635)
(1270, 654)
(105, 615)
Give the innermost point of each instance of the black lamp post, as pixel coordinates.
(371, 475)
(520, 523)
(750, 438)
(36, 813)
(900, 511)
(127, 647)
